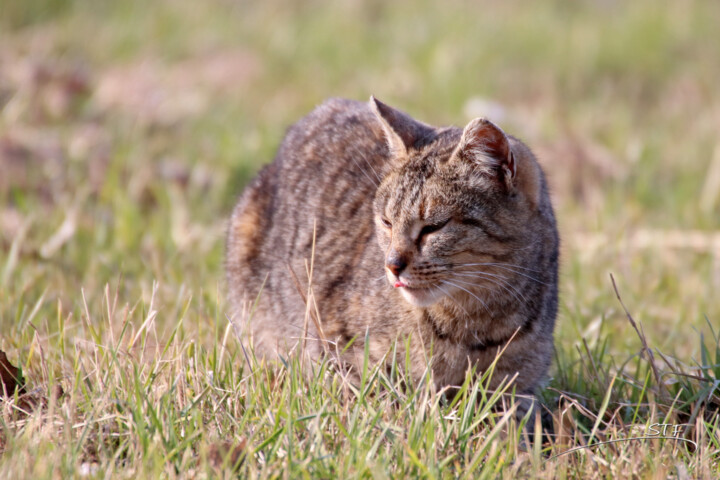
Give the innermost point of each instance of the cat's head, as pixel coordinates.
(454, 207)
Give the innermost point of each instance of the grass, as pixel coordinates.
(128, 128)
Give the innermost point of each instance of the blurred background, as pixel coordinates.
(127, 130)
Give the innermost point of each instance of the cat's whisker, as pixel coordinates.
(482, 274)
(504, 267)
(449, 295)
(374, 182)
(495, 264)
(470, 293)
(504, 285)
(529, 277)
(375, 174)
(508, 287)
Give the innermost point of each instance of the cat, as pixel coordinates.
(371, 225)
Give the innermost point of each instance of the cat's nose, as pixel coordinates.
(396, 264)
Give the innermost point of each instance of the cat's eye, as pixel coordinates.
(433, 227)
(386, 223)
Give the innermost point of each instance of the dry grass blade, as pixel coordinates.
(647, 353)
(152, 313)
(310, 310)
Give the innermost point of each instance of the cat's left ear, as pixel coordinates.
(486, 146)
(402, 132)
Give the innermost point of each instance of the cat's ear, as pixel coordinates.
(487, 147)
(401, 130)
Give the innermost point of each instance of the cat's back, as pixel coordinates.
(316, 196)
(330, 136)
(337, 145)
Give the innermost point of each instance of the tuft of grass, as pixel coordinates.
(144, 402)
(157, 408)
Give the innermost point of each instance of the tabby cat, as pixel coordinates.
(371, 225)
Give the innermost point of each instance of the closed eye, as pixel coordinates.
(433, 227)
(473, 222)
(490, 229)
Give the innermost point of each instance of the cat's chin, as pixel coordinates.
(421, 297)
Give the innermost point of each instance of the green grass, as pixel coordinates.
(127, 129)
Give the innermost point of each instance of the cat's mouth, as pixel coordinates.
(417, 295)
(399, 283)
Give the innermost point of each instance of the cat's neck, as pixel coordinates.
(456, 320)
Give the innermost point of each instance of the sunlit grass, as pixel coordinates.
(128, 128)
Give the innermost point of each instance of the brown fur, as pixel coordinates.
(461, 218)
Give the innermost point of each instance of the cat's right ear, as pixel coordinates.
(402, 132)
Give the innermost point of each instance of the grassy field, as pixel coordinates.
(127, 129)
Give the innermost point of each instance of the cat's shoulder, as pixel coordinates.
(334, 122)
(337, 106)
(337, 112)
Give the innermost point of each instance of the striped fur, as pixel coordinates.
(442, 238)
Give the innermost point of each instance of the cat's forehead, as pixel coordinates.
(441, 148)
(432, 158)
(418, 190)
(425, 180)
